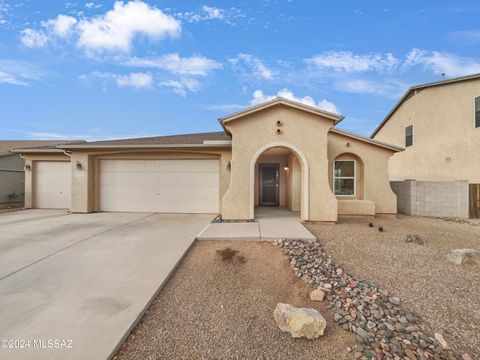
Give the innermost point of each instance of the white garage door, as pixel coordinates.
(175, 186)
(52, 185)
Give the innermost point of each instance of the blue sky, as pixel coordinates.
(106, 69)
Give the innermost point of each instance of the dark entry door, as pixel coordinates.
(269, 183)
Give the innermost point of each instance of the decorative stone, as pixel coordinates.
(441, 340)
(317, 295)
(394, 300)
(415, 239)
(464, 256)
(299, 322)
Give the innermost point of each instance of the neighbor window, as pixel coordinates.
(477, 112)
(409, 136)
(344, 177)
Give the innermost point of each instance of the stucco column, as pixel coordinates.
(322, 202)
(82, 187)
(28, 183)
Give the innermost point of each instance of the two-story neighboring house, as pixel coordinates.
(438, 123)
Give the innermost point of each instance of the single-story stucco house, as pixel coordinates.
(278, 153)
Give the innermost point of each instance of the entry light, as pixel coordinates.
(229, 166)
(28, 167)
(79, 165)
(286, 168)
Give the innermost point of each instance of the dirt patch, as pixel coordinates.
(231, 256)
(444, 295)
(211, 309)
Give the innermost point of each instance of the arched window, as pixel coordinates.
(477, 112)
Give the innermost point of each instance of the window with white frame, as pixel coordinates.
(477, 112)
(344, 172)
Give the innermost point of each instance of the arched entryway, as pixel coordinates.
(279, 177)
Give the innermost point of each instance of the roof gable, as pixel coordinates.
(280, 101)
(412, 91)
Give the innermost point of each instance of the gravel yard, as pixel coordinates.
(444, 295)
(220, 306)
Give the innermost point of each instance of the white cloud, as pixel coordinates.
(350, 62)
(182, 86)
(61, 26)
(14, 72)
(193, 66)
(133, 80)
(259, 97)
(113, 31)
(222, 107)
(440, 62)
(92, 5)
(7, 78)
(251, 66)
(210, 13)
(391, 88)
(33, 38)
(116, 29)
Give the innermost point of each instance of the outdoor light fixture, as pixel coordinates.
(229, 166)
(28, 167)
(286, 168)
(79, 165)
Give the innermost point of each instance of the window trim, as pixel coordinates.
(413, 130)
(346, 177)
(475, 112)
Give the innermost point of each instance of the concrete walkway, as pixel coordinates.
(271, 223)
(85, 278)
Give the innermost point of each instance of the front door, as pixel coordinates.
(269, 184)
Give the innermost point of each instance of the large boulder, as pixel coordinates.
(464, 256)
(299, 322)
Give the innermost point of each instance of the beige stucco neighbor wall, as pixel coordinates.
(446, 144)
(30, 160)
(303, 133)
(86, 181)
(372, 175)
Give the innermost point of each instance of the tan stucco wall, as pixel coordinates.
(300, 130)
(372, 172)
(294, 183)
(30, 160)
(446, 144)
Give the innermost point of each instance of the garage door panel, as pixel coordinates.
(183, 186)
(52, 185)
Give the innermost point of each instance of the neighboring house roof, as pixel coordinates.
(280, 101)
(6, 146)
(367, 140)
(185, 140)
(415, 89)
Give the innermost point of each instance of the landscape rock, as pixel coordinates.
(299, 322)
(383, 329)
(317, 295)
(464, 256)
(441, 340)
(415, 239)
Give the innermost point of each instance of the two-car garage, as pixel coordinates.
(175, 186)
(136, 185)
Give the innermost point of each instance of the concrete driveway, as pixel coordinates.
(83, 279)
